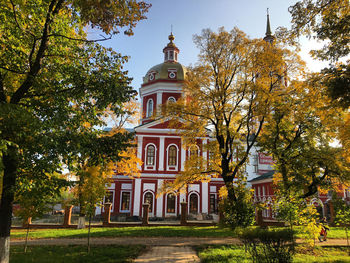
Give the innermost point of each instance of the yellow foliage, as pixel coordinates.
(129, 164)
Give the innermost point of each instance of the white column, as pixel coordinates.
(159, 100)
(161, 154)
(183, 155)
(182, 197)
(137, 196)
(160, 201)
(139, 149)
(205, 153)
(205, 199)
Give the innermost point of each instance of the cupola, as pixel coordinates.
(171, 51)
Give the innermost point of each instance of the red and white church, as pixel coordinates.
(163, 155)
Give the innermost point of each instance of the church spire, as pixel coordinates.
(268, 36)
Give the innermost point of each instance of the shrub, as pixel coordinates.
(238, 213)
(269, 246)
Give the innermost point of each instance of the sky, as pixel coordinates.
(189, 17)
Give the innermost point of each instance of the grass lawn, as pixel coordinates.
(237, 254)
(159, 231)
(67, 254)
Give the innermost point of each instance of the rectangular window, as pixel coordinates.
(125, 201)
(256, 163)
(109, 197)
(213, 204)
(170, 203)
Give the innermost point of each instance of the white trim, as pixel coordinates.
(171, 97)
(139, 149)
(159, 200)
(205, 199)
(183, 155)
(205, 153)
(174, 87)
(152, 167)
(148, 114)
(159, 97)
(161, 153)
(137, 196)
(177, 158)
(189, 150)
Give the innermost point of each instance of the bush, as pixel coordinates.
(269, 246)
(239, 213)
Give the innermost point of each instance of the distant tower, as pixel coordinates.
(268, 36)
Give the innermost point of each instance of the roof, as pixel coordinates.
(266, 175)
(162, 71)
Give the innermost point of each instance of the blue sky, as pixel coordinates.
(189, 17)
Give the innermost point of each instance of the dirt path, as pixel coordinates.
(153, 241)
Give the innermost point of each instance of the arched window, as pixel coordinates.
(150, 156)
(172, 155)
(148, 199)
(194, 150)
(149, 108)
(170, 203)
(193, 203)
(171, 99)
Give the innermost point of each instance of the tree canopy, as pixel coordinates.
(228, 95)
(55, 83)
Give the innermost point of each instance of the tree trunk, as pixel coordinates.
(26, 241)
(8, 192)
(81, 222)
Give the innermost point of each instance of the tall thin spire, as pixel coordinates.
(268, 35)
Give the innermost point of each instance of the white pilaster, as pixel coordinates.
(159, 98)
(182, 197)
(160, 200)
(139, 149)
(161, 154)
(205, 199)
(183, 155)
(137, 196)
(205, 153)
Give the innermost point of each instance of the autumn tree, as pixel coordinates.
(93, 189)
(228, 95)
(54, 80)
(33, 195)
(329, 22)
(83, 156)
(299, 136)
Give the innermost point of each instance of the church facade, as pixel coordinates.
(163, 154)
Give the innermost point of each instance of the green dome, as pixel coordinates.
(162, 71)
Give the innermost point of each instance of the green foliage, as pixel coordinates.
(326, 20)
(296, 211)
(35, 193)
(269, 246)
(238, 213)
(342, 216)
